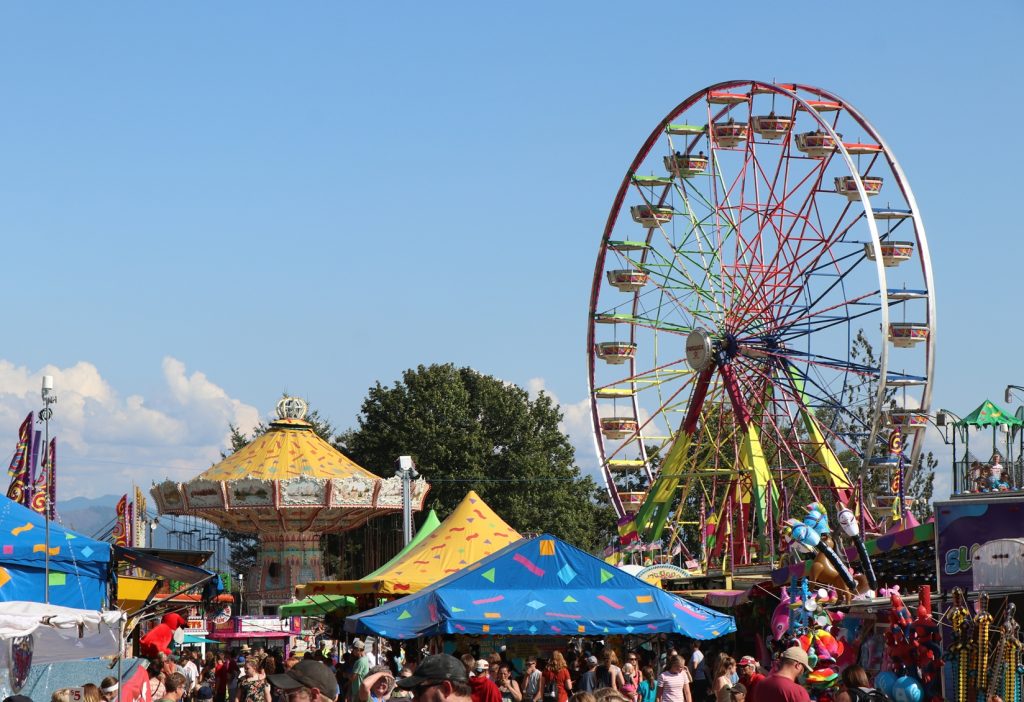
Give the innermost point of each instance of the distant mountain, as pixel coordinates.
(87, 515)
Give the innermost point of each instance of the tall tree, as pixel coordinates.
(469, 431)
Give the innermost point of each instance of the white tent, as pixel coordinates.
(60, 633)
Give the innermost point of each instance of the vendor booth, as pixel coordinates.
(72, 574)
(471, 532)
(536, 587)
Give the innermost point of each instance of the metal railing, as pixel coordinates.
(970, 476)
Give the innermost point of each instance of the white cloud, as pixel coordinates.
(107, 440)
(576, 423)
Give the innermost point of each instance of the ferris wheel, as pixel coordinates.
(762, 242)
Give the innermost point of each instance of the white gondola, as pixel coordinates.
(847, 185)
(905, 335)
(651, 215)
(686, 165)
(821, 105)
(618, 427)
(771, 126)
(627, 280)
(632, 501)
(893, 252)
(616, 352)
(908, 420)
(815, 144)
(729, 134)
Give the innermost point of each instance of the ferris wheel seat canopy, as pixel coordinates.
(723, 98)
(821, 106)
(893, 254)
(626, 246)
(904, 294)
(651, 181)
(886, 213)
(685, 129)
(859, 149)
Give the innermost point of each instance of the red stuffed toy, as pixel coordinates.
(156, 641)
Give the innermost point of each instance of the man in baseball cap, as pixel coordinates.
(309, 674)
(438, 678)
(749, 675)
(781, 686)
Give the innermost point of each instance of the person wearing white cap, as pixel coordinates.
(781, 686)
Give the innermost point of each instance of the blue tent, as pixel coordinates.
(78, 565)
(536, 587)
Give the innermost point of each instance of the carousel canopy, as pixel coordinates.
(541, 587)
(989, 414)
(473, 531)
(288, 479)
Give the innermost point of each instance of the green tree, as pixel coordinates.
(469, 431)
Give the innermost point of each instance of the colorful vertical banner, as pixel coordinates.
(120, 533)
(19, 468)
(33, 461)
(896, 449)
(52, 477)
(139, 520)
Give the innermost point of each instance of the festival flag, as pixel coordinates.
(139, 519)
(19, 468)
(41, 493)
(33, 461)
(52, 478)
(896, 449)
(120, 534)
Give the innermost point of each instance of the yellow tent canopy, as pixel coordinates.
(470, 533)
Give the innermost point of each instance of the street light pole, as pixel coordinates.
(49, 398)
(406, 470)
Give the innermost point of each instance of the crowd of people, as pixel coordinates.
(989, 477)
(256, 675)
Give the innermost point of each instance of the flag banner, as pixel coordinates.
(41, 488)
(138, 521)
(130, 522)
(18, 470)
(53, 478)
(33, 461)
(119, 535)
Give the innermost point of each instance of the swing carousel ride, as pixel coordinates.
(747, 258)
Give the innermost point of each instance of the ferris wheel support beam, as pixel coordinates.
(653, 513)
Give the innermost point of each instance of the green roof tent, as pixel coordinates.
(989, 414)
(429, 524)
(317, 605)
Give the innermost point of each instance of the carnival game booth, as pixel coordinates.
(34, 635)
(471, 532)
(540, 587)
(73, 573)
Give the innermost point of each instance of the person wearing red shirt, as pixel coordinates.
(556, 674)
(781, 686)
(482, 688)
(749, 675)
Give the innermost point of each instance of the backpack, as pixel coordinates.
(871, 695)
(551, 689)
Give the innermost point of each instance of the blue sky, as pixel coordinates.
(207, 204)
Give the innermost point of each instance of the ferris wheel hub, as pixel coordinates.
(699, 351)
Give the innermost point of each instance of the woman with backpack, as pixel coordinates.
(557, 681)
(857, 688)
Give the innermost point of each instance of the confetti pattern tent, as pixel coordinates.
(540, 587)
(471, 532)
(78, 565)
